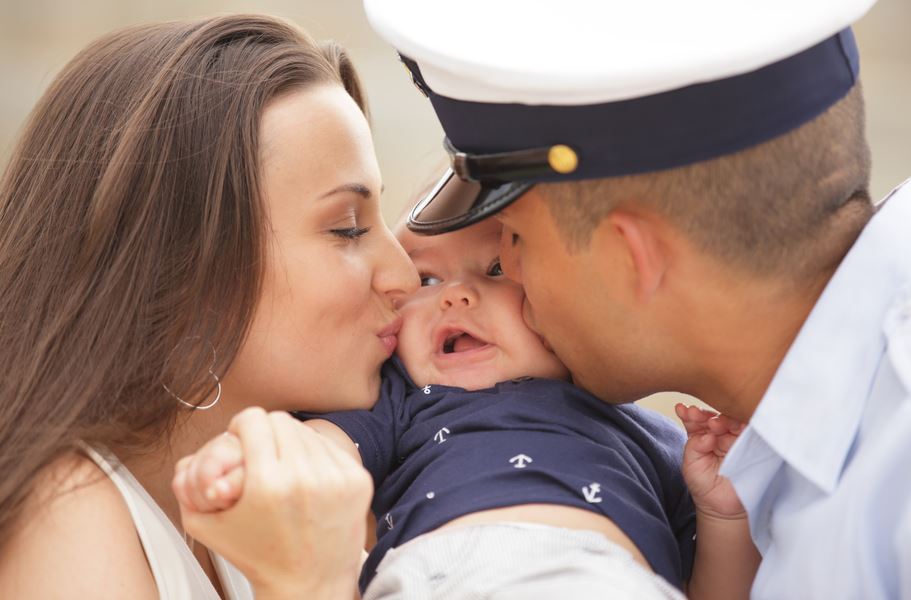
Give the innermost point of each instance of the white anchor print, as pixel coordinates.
(591, 493)
(389, 520)
(439, 437)
(426, 389)
(520, 461)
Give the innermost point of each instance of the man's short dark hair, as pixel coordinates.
(783, 207)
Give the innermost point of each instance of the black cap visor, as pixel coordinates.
(504, 147)
(454, 203)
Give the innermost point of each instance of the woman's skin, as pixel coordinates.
(323, 326)
(327, 303)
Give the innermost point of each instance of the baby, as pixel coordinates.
(492, 471)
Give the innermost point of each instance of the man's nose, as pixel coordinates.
(458, 293)
(509, 259)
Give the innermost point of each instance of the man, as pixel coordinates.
(683, 188)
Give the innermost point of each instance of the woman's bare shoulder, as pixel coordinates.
(74, 538)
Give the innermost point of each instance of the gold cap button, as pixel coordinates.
(562, 159)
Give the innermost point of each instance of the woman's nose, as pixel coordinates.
(395, 275)
(458, 293)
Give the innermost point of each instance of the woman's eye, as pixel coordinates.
(350, 233)
(495, 270)
(430, 280)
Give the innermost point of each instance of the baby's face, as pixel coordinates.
(464, 326)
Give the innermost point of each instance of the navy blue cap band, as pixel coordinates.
(664, 130)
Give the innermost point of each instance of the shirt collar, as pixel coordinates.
(812, 409)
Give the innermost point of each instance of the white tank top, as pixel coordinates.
(177, 572)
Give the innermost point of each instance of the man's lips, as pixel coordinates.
(528, 315)
(546, 344)
(389, 335)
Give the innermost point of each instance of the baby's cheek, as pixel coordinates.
(410, 365)
(559, 370)
(545, 361)
(412, 356)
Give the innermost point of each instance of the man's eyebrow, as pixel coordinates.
(356, 188)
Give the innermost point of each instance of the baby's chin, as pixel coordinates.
(475, 385)
(485, 374)
(471, 379)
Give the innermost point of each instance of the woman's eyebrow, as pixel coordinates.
(357, 188)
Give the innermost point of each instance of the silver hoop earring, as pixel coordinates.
(200, 406)
(214, 376)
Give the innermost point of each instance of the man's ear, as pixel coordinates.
(641, 237)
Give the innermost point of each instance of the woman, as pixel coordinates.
(189, 226)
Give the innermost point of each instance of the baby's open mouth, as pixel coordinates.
(459, 341)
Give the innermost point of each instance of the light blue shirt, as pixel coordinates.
(824, 467)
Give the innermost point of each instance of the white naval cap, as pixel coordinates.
(530, 91)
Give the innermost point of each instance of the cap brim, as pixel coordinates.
(454, 203)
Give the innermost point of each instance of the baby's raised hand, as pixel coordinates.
(292, 512)
(709, 437)
(212, 478)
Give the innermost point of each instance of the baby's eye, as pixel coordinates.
(494, 270)
(430, 280)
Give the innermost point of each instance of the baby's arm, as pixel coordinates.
(212, 478)
(726, 559)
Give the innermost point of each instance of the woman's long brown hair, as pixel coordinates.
(132, 233)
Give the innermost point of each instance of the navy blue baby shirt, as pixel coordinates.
(437, 453)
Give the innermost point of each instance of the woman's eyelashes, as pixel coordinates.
(345, 224)
(349, 233)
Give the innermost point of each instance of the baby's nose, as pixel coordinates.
(458, 294)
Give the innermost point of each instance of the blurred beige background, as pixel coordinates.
(37, 37)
